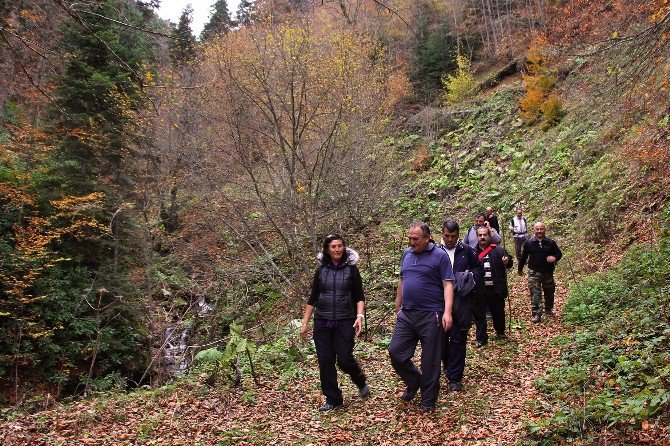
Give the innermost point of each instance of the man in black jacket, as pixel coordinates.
(495, 261)
(492, 218)
(542, 254)
(463, 259)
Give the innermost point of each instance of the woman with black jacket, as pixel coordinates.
(338, 304)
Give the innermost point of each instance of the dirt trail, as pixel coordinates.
(497, 398)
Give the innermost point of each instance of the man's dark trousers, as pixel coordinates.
(496, 304)
(454, 351)
(413, 326)
(336, 344)
(518, 245)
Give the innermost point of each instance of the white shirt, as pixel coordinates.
(519, 228)
(451, 253)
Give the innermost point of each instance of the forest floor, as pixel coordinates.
(498, 397)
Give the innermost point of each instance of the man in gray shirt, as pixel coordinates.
(480, 222)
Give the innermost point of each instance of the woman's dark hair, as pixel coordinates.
(326, 242)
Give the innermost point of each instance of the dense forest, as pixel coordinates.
(163, 197)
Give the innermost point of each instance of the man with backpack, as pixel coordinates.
(519, 229)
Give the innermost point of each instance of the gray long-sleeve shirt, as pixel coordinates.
(471, 237)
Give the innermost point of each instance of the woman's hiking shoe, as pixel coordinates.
(325, 407)
(364, 391)
(536, 319)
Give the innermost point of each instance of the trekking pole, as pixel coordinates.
(509, 298)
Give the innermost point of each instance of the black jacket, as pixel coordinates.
(536, 254)
(465, 259)
(493, 221)
(336, 290)
(498, 268)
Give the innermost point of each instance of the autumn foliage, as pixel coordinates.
(539, 103)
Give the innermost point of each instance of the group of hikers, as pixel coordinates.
(442, 288)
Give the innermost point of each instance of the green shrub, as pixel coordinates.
(462, 85)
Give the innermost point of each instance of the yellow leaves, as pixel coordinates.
(34, 238)
(661, 13)
(300, 188)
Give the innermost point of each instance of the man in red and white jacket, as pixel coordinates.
(495, 262)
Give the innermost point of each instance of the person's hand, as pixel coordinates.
(505, 260)
(551, 259)
(446, 321)
(304, 332)
(521, 273)
(487, 224)
(358, 325)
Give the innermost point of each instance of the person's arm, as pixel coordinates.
(359, 297)
(311, 304)
(524, 256)
(314, 293)
(448, 303)
(495, 237)
(360, 316)
(304, 328)
(398, 296)
(556, 253)
(507, 259)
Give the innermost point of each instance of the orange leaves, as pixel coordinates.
(34, 238)
(531, 105)
(539, 102)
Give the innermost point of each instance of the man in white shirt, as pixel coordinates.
(519, 229)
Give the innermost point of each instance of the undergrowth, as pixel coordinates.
(614, 371)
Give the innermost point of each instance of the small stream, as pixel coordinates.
(176, 355)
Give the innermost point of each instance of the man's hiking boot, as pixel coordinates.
(455, 387)
(427, 409)
(536, 319)
(501, 336)
(480, 344)
(549, 313)
(325, 407)
(409, 395)
(364, 391)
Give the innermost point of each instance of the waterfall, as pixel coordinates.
(175, 354)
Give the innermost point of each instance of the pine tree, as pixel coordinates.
(98, 89)
(61, 253)
(245, 13)
(220, 21)
(182, 46)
